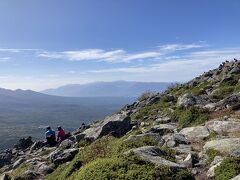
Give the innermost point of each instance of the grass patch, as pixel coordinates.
(18, 171)
(223, 92)
(127, 167)
(212, 153)
(104, 158)
(190, 116)
(228, 169)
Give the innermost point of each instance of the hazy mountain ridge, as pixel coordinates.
(190, 131)
(23, 111)
(108, 89)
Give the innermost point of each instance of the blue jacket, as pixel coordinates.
(50, 133)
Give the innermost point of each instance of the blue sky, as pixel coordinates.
(49, 43)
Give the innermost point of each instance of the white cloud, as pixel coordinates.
(4, 59)
(16, 50)
(178, 68)
(118, 55)
(178, 47)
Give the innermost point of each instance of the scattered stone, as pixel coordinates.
(18, 162)
(210, 172)
(164, 128)
(230, 146)
(195, 133)
(223, 126)
(67, 143)
(36, 145)
(117, 124)
(153, 154)
(62, 156)
(188, 162)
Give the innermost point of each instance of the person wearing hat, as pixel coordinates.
(50, 136)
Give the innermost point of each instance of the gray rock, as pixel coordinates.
(79, 137)
(236, 178)
(188, 161)
(188, 100)
(180, 138)
(195, 133)
(36, 145)
(223, 126)
(18, 162)
(5, 158)
(153, 136)
(117, 124)
(67, 143)
(153, 154)
(216, 160)
(5, 177)
(163, 120)
(164, 128)
(211, 171)
(230, 146)
(62, 156)
(183, 149)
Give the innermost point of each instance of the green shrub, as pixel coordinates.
(189, 116)
(183, 175)
(223, 92)
(212, 153)
(127, 167)
(228, 169)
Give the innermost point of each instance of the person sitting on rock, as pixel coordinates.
(60, 134)
(50, 136)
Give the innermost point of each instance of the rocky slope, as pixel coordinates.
(191, 131)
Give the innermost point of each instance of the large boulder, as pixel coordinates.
(223, 126)
(195, 133)
(117, 124)
(5, 158)
(231, 102)
(67, 143)
(62, 156)
(164, 128)
(230, 146)
(153, 154)
(188, 100)
(24, 143)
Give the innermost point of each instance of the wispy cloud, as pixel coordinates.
(182, 67)
(118, 55)
(4, 59)
(16, 50)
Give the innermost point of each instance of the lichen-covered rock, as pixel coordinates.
(67, 143)
(153, 154)
(223, 126)
(195, 133)
(117, 124)
(188, 100)
(62, 156)
(164, 128)
(230, 146)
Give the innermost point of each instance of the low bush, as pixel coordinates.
(189, 116)
(228, 169)
(212, 153)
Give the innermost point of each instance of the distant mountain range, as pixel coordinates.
(22, 112)
(108, 89)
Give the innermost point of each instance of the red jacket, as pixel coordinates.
(60, 135)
